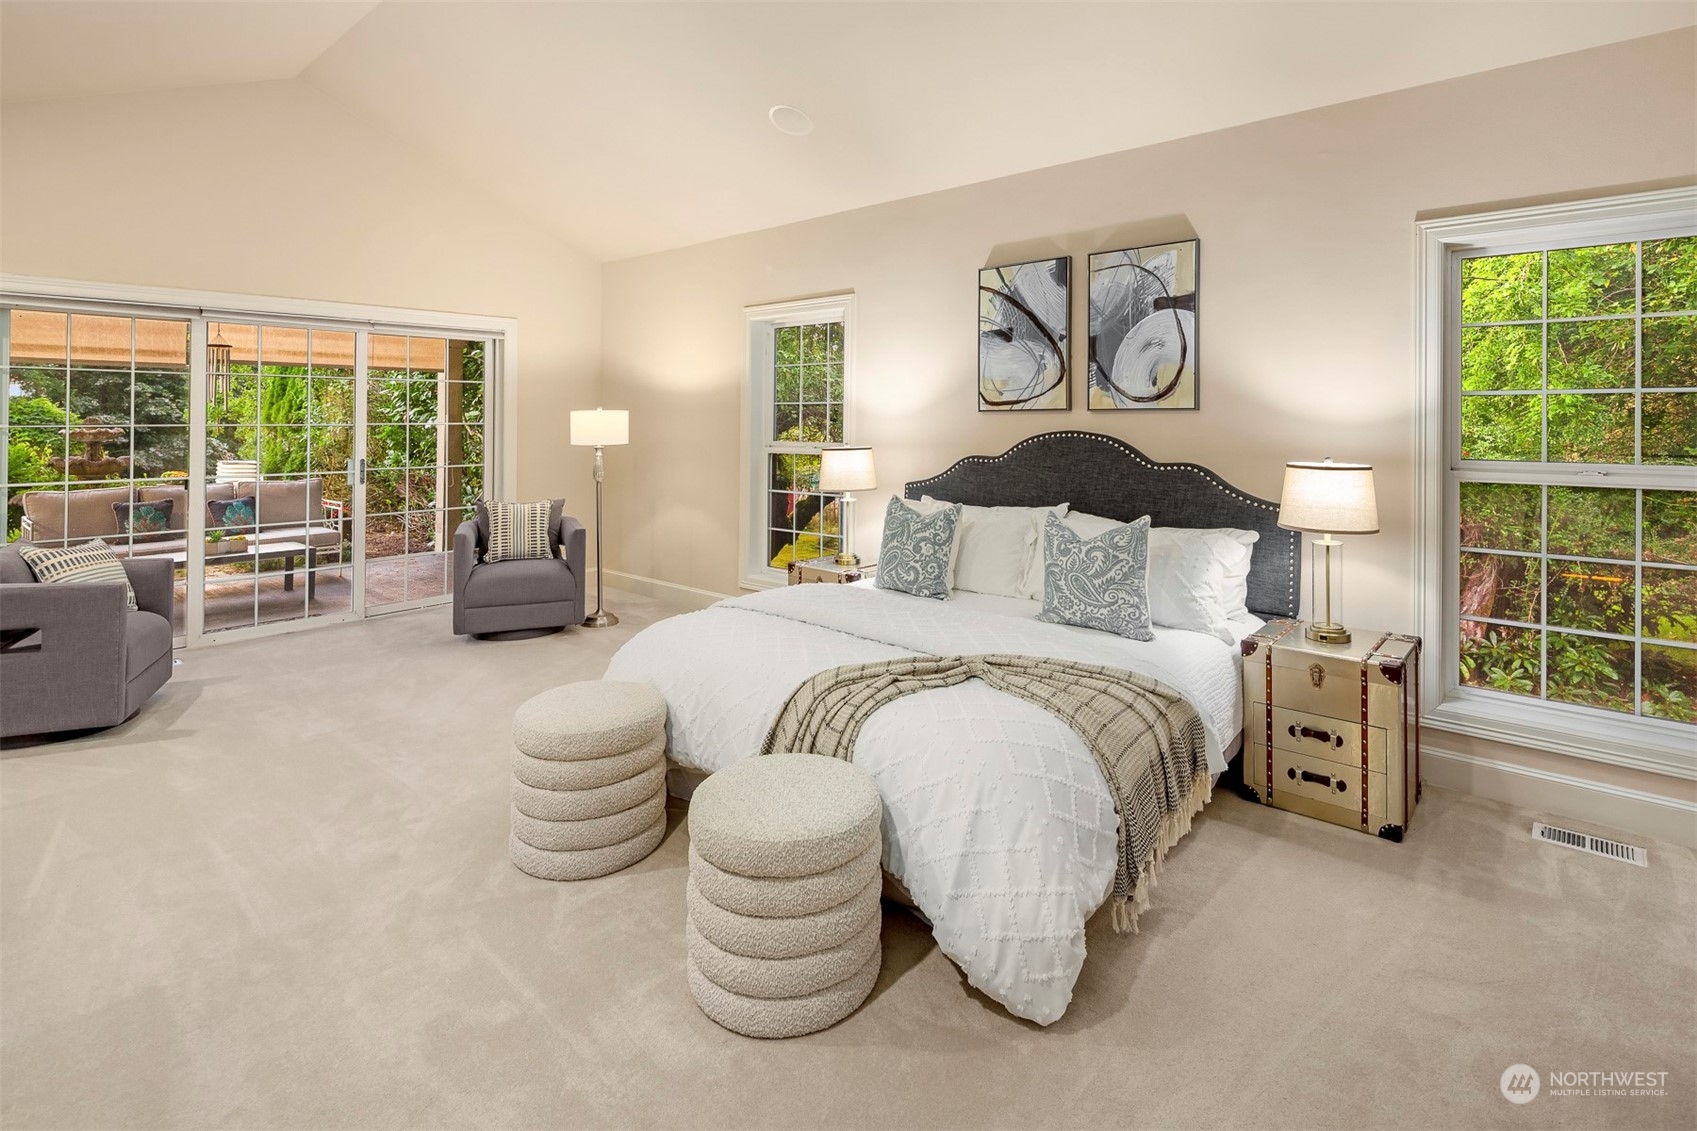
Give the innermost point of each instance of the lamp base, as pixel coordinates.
(600, 620)
(848, 561)
(1327, 633)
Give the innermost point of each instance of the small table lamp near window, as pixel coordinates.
(599, 428)
(843, 471)
(1327, 498)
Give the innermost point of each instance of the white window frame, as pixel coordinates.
(1655, 745)
(757, 387)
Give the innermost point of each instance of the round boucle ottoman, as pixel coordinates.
(783, 914)
(784, 977)
(778, 896)
(593, 719)
(784, 815)
(589, 779)
(782, 1017)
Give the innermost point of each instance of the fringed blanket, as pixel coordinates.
(1146, 737)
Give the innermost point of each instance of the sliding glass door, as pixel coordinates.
(291, 471)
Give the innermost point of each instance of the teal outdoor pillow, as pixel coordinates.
(145, 521)
(233, 516)
(914, 557)
(1100, 582)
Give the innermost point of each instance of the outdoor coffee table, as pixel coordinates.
(269, 551)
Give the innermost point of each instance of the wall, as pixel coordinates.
(1307, 302)
(272, 189)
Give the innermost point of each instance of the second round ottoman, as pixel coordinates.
(784, 920)
(589, 779)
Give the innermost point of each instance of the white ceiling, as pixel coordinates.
(633, 127)
(71, 48)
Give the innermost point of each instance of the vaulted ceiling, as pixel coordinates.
(633, 127)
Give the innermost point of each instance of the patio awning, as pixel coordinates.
(41, 337)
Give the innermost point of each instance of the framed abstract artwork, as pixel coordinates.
(1142, 333)
(1024, 311)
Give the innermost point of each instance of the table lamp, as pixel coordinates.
(599, 428)
(1327, 498)
(843, 471)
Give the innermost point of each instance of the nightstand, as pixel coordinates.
(827, 570)
(1332, 731)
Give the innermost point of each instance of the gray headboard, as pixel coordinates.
(1100, 475)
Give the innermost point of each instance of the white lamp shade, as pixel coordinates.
(600, 427)
(1329, 498)
(846, 469)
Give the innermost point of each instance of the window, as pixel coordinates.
(1567, 552)
(799, 375)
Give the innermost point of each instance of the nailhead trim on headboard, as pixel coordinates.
(1276, 566)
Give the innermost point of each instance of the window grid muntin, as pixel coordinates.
(835, 331)
(1547, 474)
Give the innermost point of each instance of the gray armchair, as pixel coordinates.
(513, 599)
(76, 656)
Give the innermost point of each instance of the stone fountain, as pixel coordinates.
(94, 434)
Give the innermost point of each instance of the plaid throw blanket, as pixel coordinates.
(1147, 739)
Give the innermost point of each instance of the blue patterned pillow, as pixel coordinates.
(1100, 582)
(233, 516)
(917, 548)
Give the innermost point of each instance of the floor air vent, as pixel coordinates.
(1595, 845)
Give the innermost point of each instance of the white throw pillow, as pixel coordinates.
(999, 550)
(1198, 578)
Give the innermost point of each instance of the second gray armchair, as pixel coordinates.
(526, 597)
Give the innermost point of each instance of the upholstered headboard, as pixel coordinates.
(1100, 475)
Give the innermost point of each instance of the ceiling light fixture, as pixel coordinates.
(791, 121)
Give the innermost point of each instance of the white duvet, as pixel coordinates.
(996, 816)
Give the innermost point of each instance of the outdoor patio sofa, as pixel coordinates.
(76, 656)
(292, 510)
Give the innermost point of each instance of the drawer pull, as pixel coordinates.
(1323, 735)
(1319, 779)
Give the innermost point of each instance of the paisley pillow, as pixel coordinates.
(146, 522)
(235, 516)
(1100, 582)
(917, 548)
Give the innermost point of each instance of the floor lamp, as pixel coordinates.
(599, 428)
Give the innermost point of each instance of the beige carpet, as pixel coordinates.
(281, 897)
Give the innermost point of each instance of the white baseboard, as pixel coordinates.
(1629, 811)
(666, 590)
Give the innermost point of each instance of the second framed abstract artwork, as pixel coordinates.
(1142, 333)
(1024, 310)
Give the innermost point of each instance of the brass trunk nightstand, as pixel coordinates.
(1333, 730)
(827, 570)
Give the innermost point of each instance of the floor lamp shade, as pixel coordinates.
(599, 428)
(1328, 499)
(843, 471)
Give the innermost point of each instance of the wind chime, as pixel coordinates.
(218, 353)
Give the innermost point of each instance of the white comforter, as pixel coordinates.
(996, 817)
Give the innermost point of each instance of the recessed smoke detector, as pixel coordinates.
(791, 121)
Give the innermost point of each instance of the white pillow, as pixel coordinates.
(999, 550)
(1198, 578)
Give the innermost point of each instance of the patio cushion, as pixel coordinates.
(784, 977)
(584, 804)
(280, 501)
(179, 497)
(548, 773)
(591, 719)
(781, 897)
(783, 1017)
(526, 581)
(560, 836)
(89, 513)
(788, 937)
(590, 862)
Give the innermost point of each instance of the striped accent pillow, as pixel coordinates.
(88, 563)
(518, 530)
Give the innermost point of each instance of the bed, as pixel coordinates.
(998, 823)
